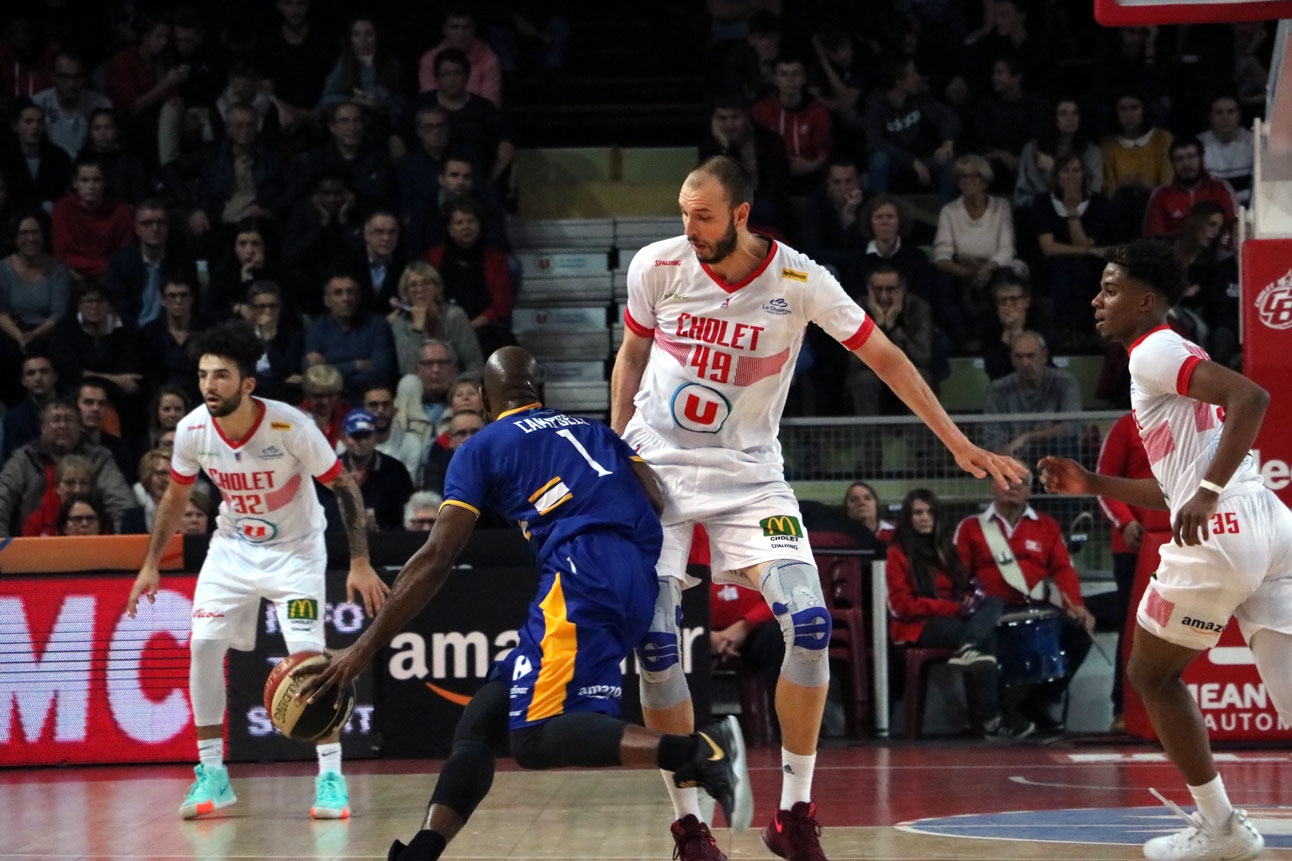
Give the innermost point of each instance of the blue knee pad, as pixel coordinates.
(659, 656)
(792, 589)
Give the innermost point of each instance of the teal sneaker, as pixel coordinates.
(331, 798)
(209, 792)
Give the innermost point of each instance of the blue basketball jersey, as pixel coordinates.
(557, 476)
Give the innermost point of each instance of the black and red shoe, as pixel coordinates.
(794, 834)
(693, 841)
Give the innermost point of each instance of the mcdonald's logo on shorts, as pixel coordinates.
(781, 524)
(303, 608)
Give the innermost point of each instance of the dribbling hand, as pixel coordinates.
(343, 667)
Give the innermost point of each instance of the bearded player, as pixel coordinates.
(268, 543)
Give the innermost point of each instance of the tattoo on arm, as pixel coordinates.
(350, 501)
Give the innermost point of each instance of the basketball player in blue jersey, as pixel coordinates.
(589, 508)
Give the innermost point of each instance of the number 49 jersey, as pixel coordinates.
(724, 354)
(557, 476)
(264, 478)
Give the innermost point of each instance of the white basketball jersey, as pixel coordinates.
(724, 354)
(1180, 433)
(264, 479)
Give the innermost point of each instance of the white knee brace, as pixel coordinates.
(659, 657)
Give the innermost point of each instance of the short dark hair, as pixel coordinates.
(232, 339)
(1184, 142)
(731, 99)
(92, 500)
(885, 268)
(1152, 262)
(731, 175)
(451, 55)
(87, 159)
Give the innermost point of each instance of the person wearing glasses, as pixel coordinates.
(422, 510)
(164, 341)
(135, 272)
(69, 103)
(1016, 309)
(421, 312)
(279, 368)
(422, 397)
(91, 340)
(83, 515)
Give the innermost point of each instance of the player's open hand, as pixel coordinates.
(343, 667)
(1063, 475)
(145, 585)
(363, 580)
(1003, 469)
(1190, 527)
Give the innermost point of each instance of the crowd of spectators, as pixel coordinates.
(338, 179)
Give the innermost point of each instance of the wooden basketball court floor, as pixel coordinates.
(934, 799)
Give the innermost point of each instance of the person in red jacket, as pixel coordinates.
(932, 602)
(476, 276)
(803, 123)
(1170, 203)
(89, 225)
(1036, 543)
(1123, 455)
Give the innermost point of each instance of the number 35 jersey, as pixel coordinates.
(264, 478)
(724, 354)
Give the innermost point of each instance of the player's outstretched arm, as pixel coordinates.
(362, 578)
(417, 582)
(895, 369)
(170, 513)
(1065, 476)
(626, 378)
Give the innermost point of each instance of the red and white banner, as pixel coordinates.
(1267, 352)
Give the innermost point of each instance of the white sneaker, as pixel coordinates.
(1238, 840)
(967, 655)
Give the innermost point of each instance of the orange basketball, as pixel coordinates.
(295, 718)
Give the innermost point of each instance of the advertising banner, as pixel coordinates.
(1267, 352)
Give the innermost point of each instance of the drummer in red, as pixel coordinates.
(1017, 554)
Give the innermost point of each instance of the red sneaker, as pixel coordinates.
(795, 834)
(694, 842)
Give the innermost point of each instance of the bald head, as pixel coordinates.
(512, 379)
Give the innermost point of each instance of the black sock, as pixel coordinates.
(676, 751)
(425, 846)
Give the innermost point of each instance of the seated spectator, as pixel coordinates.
(911, 136)
(476, 276)
(321, 385)
(154, 478)
(295, 56)
(803, 123)
(369, 75)
(188, 115)
(34, 288)
(459, 30)
(457, 179)
(1228, 147)
(162, 438)
(22, 422)
(422, 510)
(349, 151)
(419, 174)
(243, 179)
(1191, 185)
(1074, 227)
(831, 219)
(349, 338)
(377, 260)
(1136, 161)
(167, 409)
(34, 167)
(1125, 60)
(93, 403)
(907, 320)
(1033, 387)
(123, 171)
(861, 504)
(975, 238)
(26, 56)
(476, 124)
(243, 262)
(1016, 310)
(25, 475)
(762, 153)
(382, 479)
(89, 225)
(1207, 313)
(435, 463)
(69, 103)
(467, 393)
(843, 71)
(934, 604)
(422, 398)
(137, 272)
(1005, 118)
(886, 226)
(321, 227)
(245, 86)
(83, 515)
(92, 340)
(1063, 134)
(278, 372)
(391, 438)
(1017, 554)
(745, 65)
(73, 476)
(422, 312)
(199, 514)
(163, 343)
(1008, 31)
(140, 79)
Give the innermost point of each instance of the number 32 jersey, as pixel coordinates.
(724, 354)
(264, 479)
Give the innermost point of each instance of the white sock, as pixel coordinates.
(329, 757)
(1213, 801)
(210, 752)
(685, 801)
(796, 774)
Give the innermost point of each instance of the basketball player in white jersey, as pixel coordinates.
(714, 323)
(268, 543)
(1232, 548)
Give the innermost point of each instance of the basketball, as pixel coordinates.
(295, 718)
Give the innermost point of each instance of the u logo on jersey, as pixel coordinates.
(699, 408)
(255, 530)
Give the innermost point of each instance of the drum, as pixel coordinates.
(1028, 648)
